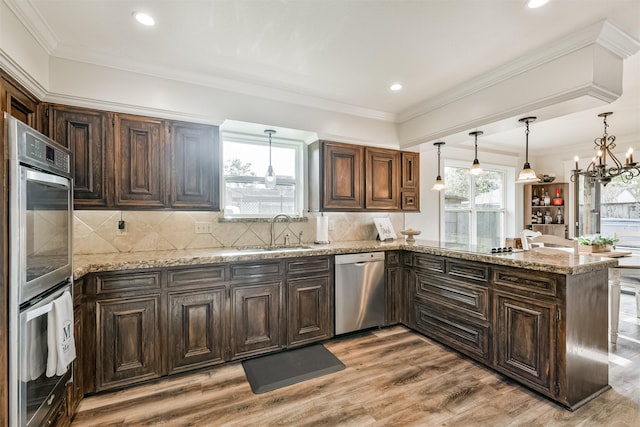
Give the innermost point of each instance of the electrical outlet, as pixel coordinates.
(204, 227)
(332, 226)
(121, 229)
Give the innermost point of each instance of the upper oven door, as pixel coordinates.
(44, 218)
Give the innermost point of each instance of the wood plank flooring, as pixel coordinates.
(393, 377)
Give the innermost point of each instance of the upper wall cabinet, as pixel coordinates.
(84, 132)
(194, 166)
(124, 161)
(18, 103)
(139, 162)
(347, 177)
(382, 182)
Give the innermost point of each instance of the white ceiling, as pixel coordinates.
(339, 52)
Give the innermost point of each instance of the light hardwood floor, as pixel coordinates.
(393, 377)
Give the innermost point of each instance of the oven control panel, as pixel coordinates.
(45, 153)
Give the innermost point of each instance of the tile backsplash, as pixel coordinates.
(96, 232)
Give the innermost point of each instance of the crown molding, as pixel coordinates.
(21, 76)
(602, 33)
(34, 23)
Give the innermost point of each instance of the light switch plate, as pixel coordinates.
(204, 227)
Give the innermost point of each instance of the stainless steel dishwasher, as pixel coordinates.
(359, 291)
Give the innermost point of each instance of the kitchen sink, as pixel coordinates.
(272, 248)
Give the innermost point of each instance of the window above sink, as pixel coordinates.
(245, 160)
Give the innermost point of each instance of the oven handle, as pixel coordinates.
(47, 178)
(39, 311)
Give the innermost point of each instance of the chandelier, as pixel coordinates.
(598, 170)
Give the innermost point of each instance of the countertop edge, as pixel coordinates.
(563, 264)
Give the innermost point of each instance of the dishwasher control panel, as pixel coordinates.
(360, 257)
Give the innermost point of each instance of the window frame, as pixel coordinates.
(473, 211)
(261, 140)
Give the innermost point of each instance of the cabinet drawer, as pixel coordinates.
(468, 270)
(453, 295)
(254, 270)
(196, 276)
(463, 335)
(525, 281)
(428, 262)
(127, 281)
(309, 265)
(393, 258)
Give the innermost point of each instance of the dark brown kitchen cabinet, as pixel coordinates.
(85, 133)
(525, 339)
(194, 166)
(347, 177)
(256, 318)
(394, 289)
(410, 182)
(140, 176)
(18, 102)
(382, 179)
(197, 323)
(343, 174)
(129, 345)
(310, 300)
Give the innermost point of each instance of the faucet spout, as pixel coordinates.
(273, 232)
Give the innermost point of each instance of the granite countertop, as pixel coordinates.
(541, 261)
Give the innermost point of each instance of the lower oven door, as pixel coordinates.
(37, 395)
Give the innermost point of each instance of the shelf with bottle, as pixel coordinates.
(544, 204)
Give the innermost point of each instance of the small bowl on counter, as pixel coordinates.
(409, 234)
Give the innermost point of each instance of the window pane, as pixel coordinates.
(490, 229)
(489, 190)
(255, 199)
(620, 211)
(457, 227)
(456, 194)
(248, 159)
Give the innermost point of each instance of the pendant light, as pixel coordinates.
(439, 184)
(527, 174)
(476, 169)
(270, 177)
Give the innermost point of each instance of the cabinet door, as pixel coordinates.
(309, 311)
(524, 340)
(84, 133)
(128, 342)
(194, 166)
(196, 329)
(382, 181)
(343, 176)
(256, 319)
(139, 162)
(18, 103)
(410, 183)
(76, 390)
(393, 289)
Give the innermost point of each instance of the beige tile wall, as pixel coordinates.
(96, 232)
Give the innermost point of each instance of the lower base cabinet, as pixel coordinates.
(197, 329)
(524, 332)
(148, 323)
(256, 319)
(128, 341)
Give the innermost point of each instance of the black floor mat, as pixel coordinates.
(278, 370)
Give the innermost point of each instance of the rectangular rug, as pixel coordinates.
(278, 370)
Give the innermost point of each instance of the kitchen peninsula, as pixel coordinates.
(538, 319)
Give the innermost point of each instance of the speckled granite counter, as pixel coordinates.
(553, 263)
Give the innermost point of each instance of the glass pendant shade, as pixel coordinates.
(439, 184)
(527, 174)
(476, 169)
(270, 176)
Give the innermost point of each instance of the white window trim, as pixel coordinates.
(507, 194)
(300, 168)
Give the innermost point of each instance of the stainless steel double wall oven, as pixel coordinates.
(40, 268)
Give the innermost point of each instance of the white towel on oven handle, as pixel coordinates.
(60, 341)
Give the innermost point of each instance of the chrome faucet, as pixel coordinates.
(273, 233)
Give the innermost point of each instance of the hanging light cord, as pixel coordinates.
(270, 148)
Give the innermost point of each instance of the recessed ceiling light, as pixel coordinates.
(536, 3)
(144, 19)
(395, 87)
